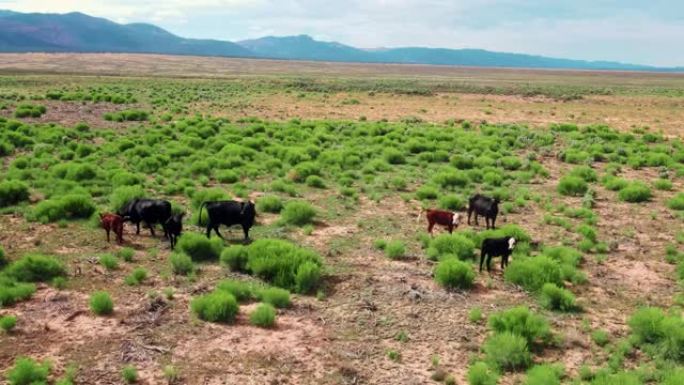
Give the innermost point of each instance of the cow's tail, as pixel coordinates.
(422, 210)
(199, 218)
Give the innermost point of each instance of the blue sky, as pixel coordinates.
(635, 31)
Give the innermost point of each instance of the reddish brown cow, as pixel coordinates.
(448, 219)
(113, 222)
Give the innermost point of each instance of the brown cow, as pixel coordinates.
(448, 219)
(113, 222)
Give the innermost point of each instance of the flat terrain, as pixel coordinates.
(382, 142)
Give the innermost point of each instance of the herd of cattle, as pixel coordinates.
(155, 211)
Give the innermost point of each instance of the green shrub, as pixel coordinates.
(395, 250)
(427, 192)
(451, 244)
(12, 291)
(26, 371)
(454, 274)
(521, 321)
(241, 290)
(275, 296)
(614, 183)
(674, 377)
(533, 272)
(127, 116)
(199, 247)
(393, 156)
(635, 192)
(662, 184)
(227, 176)
(109, 262)
(269, 204)
(621, 378)
(556, 298)
(8, 322)
(278, 261)
(101, 303)
(13, 192)
(452, 202)
(124, 194)
(507, 351)
(129, 374)
(544, 375)
(600, 337)
(475, 314)
(379, 244)
(677, 202)
(218, 306)
(136, 277)
(70, 206)
(315, 181)
(564, 255)
(298, 213)
(34, 268)
(646, 324)
(235, 257)
(3, 258)
(59, 283)
(126, 254)
(308, 277)
(181, 264)
(479, 373)
(572, 186)
(585, 172)
(263, 316)
(29, 111)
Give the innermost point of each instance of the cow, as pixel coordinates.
(174, 227)
(448, 219)
(496, 247)
(112, 222)
(228, 213)
(485, 206)
(150, 211)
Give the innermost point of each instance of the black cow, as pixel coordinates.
(485, 206)
(497, 247)
(150, 211)
(229, 213)
(174, 227)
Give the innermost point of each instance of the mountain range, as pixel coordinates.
(77, 32)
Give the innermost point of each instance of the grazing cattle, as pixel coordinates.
(228, 213)
(174, 227)
(113, 222)
(150, 211)
(448, 219)
(497, 247)
(485, 206)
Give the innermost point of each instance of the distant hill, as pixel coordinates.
(77, 32)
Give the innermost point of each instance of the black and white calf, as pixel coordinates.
(497, 247)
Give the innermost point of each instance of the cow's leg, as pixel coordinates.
(430, 226)
(482, 258)
(151, 226)
(489, 263)
(107, 231)
(217, 232)
(451, 228)
(209, 226)
(476, 222)
(470, 211)
(137, 228)
(245, 229)
(493, 220)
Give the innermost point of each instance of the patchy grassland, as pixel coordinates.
(341, 285)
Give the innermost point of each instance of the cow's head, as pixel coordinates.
(248, 208)
(511, 243)
(456, 219)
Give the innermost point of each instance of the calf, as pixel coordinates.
(497, 247)
(448, 219)
(229, 213)
(174, 227)
(485, 206)
(113, 222)
(150, 211)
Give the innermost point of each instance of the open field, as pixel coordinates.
(340, 160)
